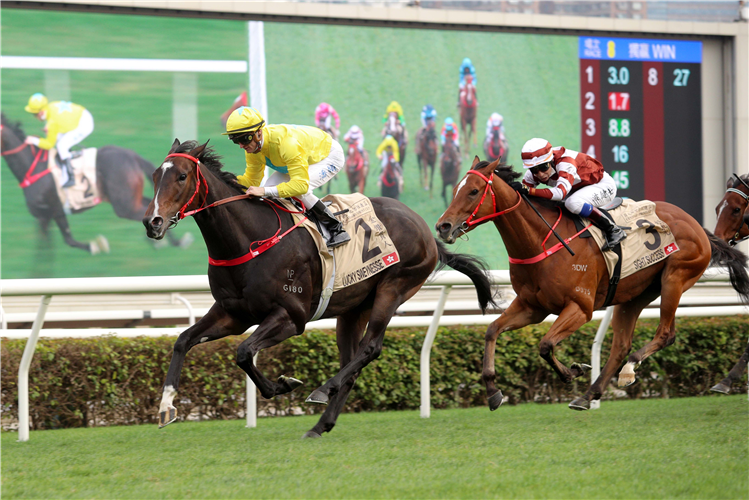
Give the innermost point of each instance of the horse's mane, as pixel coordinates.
(212, 160)
(14, 126)
(503, 171)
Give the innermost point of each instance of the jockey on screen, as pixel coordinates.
(67, 125)
(303, 158)
(574, 177)
(389, 148)
(495, 121)
(324, 114)
(449, 128)
(396, 108)
(356, 135)
(428, 116)
(466, 68)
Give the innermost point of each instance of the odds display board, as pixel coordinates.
(641, 116)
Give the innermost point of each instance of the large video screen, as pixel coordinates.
(533, 81)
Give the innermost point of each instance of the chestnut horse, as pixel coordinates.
(495, 146)
(449, 165)
(426, 155)
(468, 112)
(733, 227)
(255, 287)
(395, 128)
(389, 179)
(573, 286)
(357, 168)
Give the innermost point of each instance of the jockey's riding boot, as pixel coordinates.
(69, 169)
(325, 217)
(613, 233)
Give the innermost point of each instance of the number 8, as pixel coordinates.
(653, 76)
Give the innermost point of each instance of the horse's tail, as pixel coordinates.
(725, 255)
(147, 167)
(473, 267)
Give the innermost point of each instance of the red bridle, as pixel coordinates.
(29, 179)
(260, 246)
(469, 223)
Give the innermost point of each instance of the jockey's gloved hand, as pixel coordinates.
(520, 187)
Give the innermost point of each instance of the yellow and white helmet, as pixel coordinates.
(37, 102)
(243, 120)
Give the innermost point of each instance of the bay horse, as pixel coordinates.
(389, 179)
(280, 289)
(449, 165)
(733, 227)
(394, 127)
(426, 155)
(119, 174)
(573, 286)
(495, 146)
(357, 168)
(468, 112)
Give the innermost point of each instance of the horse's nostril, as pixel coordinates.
(157, 222)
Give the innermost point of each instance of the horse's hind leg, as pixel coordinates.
(724, 386)
(349, 330)
(67, 235)
(216, 324)
(673, 285)
(274, 329)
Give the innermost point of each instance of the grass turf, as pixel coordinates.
(357, 69)
(679, 448)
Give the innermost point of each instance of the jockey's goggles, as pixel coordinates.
(540, 168)
(242, 139)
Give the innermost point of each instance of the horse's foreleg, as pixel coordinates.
(274, 329)
(67, 235)
(349, 329)
(216, 324)
(570, 319)
(517, 315)
(724, 386)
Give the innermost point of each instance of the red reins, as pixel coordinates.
(30, 178)
(489, 188)
(262, 245)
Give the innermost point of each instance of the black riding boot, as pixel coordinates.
(325, 217)
(613, 233)
(69, 169)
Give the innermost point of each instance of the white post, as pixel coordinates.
(23, 370)
(190, 312)
(258, 97)
(595, 352)
(426, 350)
(185, 106)
(251, 410)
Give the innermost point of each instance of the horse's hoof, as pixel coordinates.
(311, 434)
(581, 368)
(495, 401)
(289, 383)
(626, 379)
(721, 388)
(579, 404)
(318, 397)
(165, 420)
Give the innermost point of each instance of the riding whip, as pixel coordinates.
(547, 224)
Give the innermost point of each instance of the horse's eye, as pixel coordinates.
(736, 210)
(182, 177)
(474, 192)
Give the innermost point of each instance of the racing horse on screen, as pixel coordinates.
(253, 288)
(573, 286)
(733, 227)
(120, 177)
(468, 112)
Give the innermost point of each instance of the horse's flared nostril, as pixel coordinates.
(153, 222)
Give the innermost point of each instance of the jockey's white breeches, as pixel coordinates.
(596, 195)
(319, 174)
(69, 139)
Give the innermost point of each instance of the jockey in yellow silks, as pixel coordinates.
(67, 125)
(303, 158)
(394, 107)
(390, 145)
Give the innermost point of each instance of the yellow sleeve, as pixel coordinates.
(296, 162)
(253, 173)
(393, 144)
(52, 130)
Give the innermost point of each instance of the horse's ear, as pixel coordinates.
(199, 150)
(730, 181)
(494, 164)
(175, 145)
(475, 161)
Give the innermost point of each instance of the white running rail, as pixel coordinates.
(46, 288)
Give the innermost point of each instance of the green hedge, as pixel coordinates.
(109, 380)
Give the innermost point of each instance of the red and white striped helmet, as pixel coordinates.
(535, 152)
